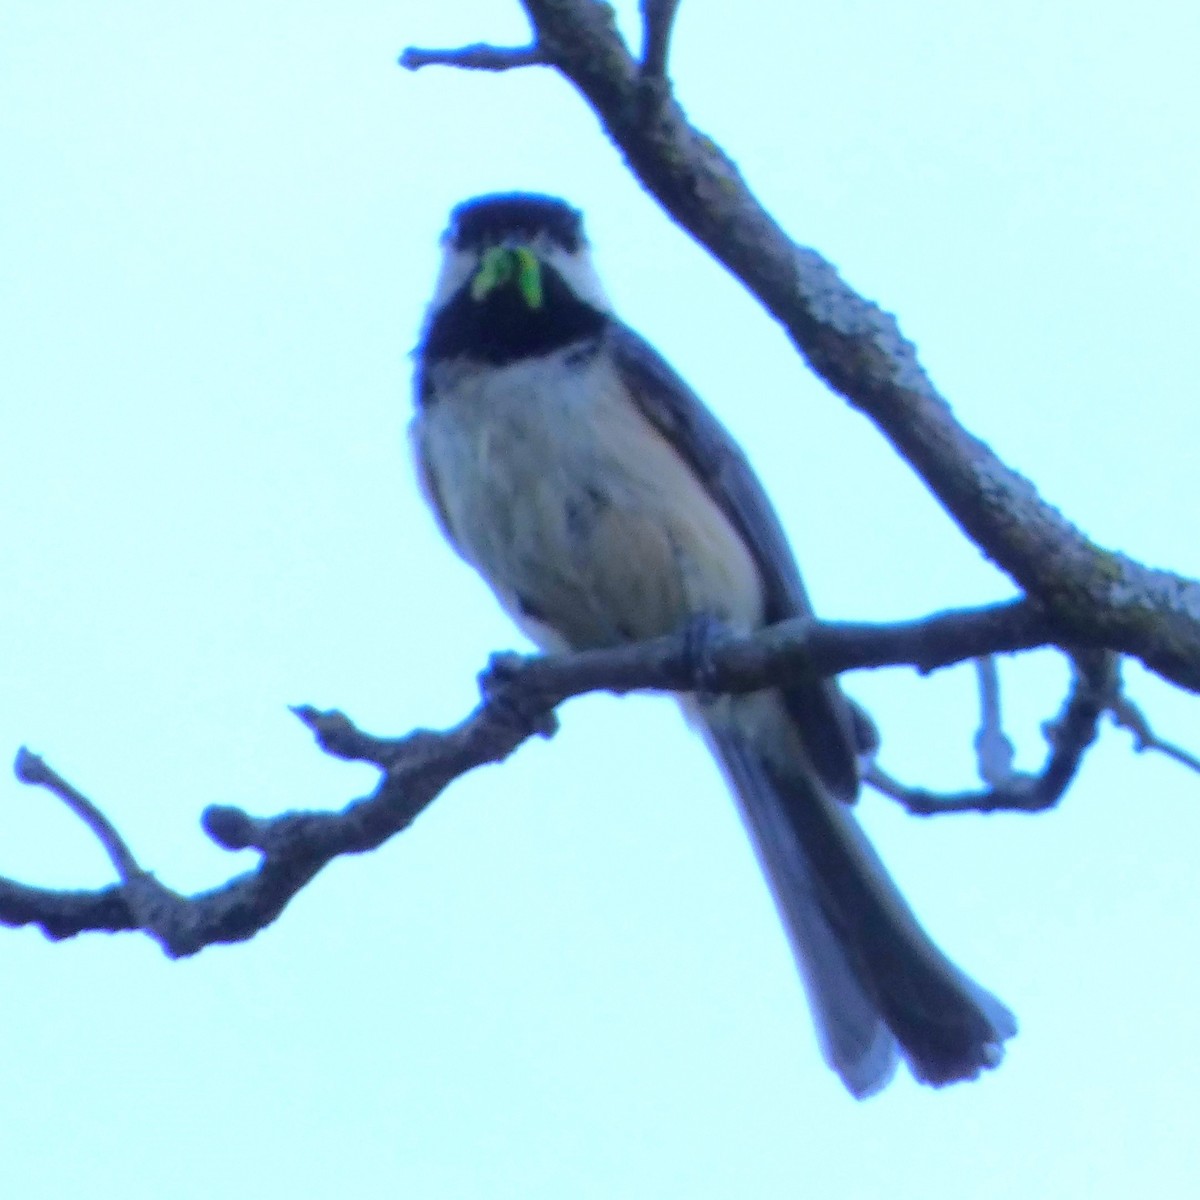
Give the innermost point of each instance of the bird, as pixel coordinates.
(603, 503)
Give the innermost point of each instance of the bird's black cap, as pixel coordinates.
(486, 220)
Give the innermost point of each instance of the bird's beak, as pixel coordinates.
(501, 265)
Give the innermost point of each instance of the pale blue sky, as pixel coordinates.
(218, 229)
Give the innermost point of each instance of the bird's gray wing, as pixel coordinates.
(822, 714)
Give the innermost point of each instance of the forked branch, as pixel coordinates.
(521, 694)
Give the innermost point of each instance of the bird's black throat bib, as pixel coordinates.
(504, 328)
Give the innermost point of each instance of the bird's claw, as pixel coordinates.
(701, 636)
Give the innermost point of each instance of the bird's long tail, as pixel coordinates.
(878, 987)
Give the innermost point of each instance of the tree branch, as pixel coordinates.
(1093, 596)
(1095, 689)
(519, 692)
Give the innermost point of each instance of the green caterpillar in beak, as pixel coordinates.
(500, 264)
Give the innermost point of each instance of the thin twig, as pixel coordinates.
(658, 17)
(480, 56)
(1128, 715)
(32, 769)
(994, 752)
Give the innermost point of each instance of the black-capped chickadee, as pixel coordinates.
(603, 503)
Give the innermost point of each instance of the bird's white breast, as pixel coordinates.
(588, 525)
